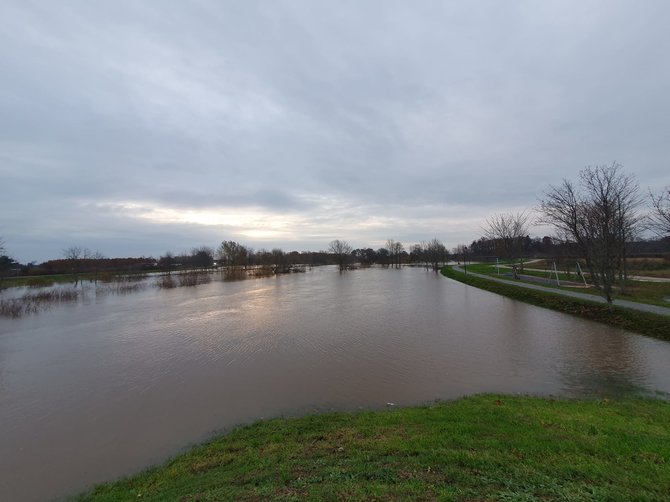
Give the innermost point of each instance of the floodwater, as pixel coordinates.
(109, 385)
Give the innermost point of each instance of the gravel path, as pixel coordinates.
(654, 309)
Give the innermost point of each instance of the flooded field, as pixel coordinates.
(106, 384)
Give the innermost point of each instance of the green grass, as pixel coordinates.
(478, 448)
(652, 293)
(653, 325)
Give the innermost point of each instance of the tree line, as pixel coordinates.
(77, 260)
(596, 218)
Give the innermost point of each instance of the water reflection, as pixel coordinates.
(127, 380)
(595, 361)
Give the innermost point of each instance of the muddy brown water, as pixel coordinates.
(111, 384)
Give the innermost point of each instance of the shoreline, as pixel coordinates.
(645, 323)
(478, 447)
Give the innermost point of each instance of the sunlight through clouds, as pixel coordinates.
(136, 127)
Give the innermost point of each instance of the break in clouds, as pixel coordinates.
(141, 127)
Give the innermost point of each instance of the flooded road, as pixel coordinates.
(110, 384)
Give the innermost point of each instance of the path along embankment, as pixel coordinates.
(651, 320)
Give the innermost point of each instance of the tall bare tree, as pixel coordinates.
(342, 251)
(508, 230)
(599, 216)
(435, 253)
(659, 218)
(394, 248)
(232, 253)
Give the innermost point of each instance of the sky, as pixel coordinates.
(137, 128)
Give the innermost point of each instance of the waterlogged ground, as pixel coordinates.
(110, 383)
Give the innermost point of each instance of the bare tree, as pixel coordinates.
(390, 248)
(2, 246)
(202, 257)
(417, 253)
(435, 253)
(508, 230)
(73, 253)
(342, 251)
(463, 251)
(399, 249)
(74, 256)
(599, 217)
(659, 219)
(394, 249)
(279, 260)
(233, 253)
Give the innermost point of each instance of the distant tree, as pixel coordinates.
(74, 256)
(461, 252)
(167, 262)
(383, 256)
(94, 262)
(599, 217)
(73, 253)
(202, 257)
(342, 251)
(417, 254)
(294, 258)
(435, 253)
(659, 219)
(233, 253)
(483, 247)
(263, 257)
(366, 256)
(390, 249)
(278, 260)
(508, 231)
(395, 249)
(6, 262)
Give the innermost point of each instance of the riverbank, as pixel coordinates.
(481, 447)
(646, 323)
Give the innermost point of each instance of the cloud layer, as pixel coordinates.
(138, 127)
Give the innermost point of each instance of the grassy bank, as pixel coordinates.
(652, 293)
(476, 448)
(653, 325)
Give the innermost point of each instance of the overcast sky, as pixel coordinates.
(138, 127)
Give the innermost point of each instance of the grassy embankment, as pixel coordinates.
(653, 325)
(476, 448)
(653, 293)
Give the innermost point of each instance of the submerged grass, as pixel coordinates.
(31, 303)
(477, 448)
(654, 325)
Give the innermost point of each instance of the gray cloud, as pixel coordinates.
(120, 121)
